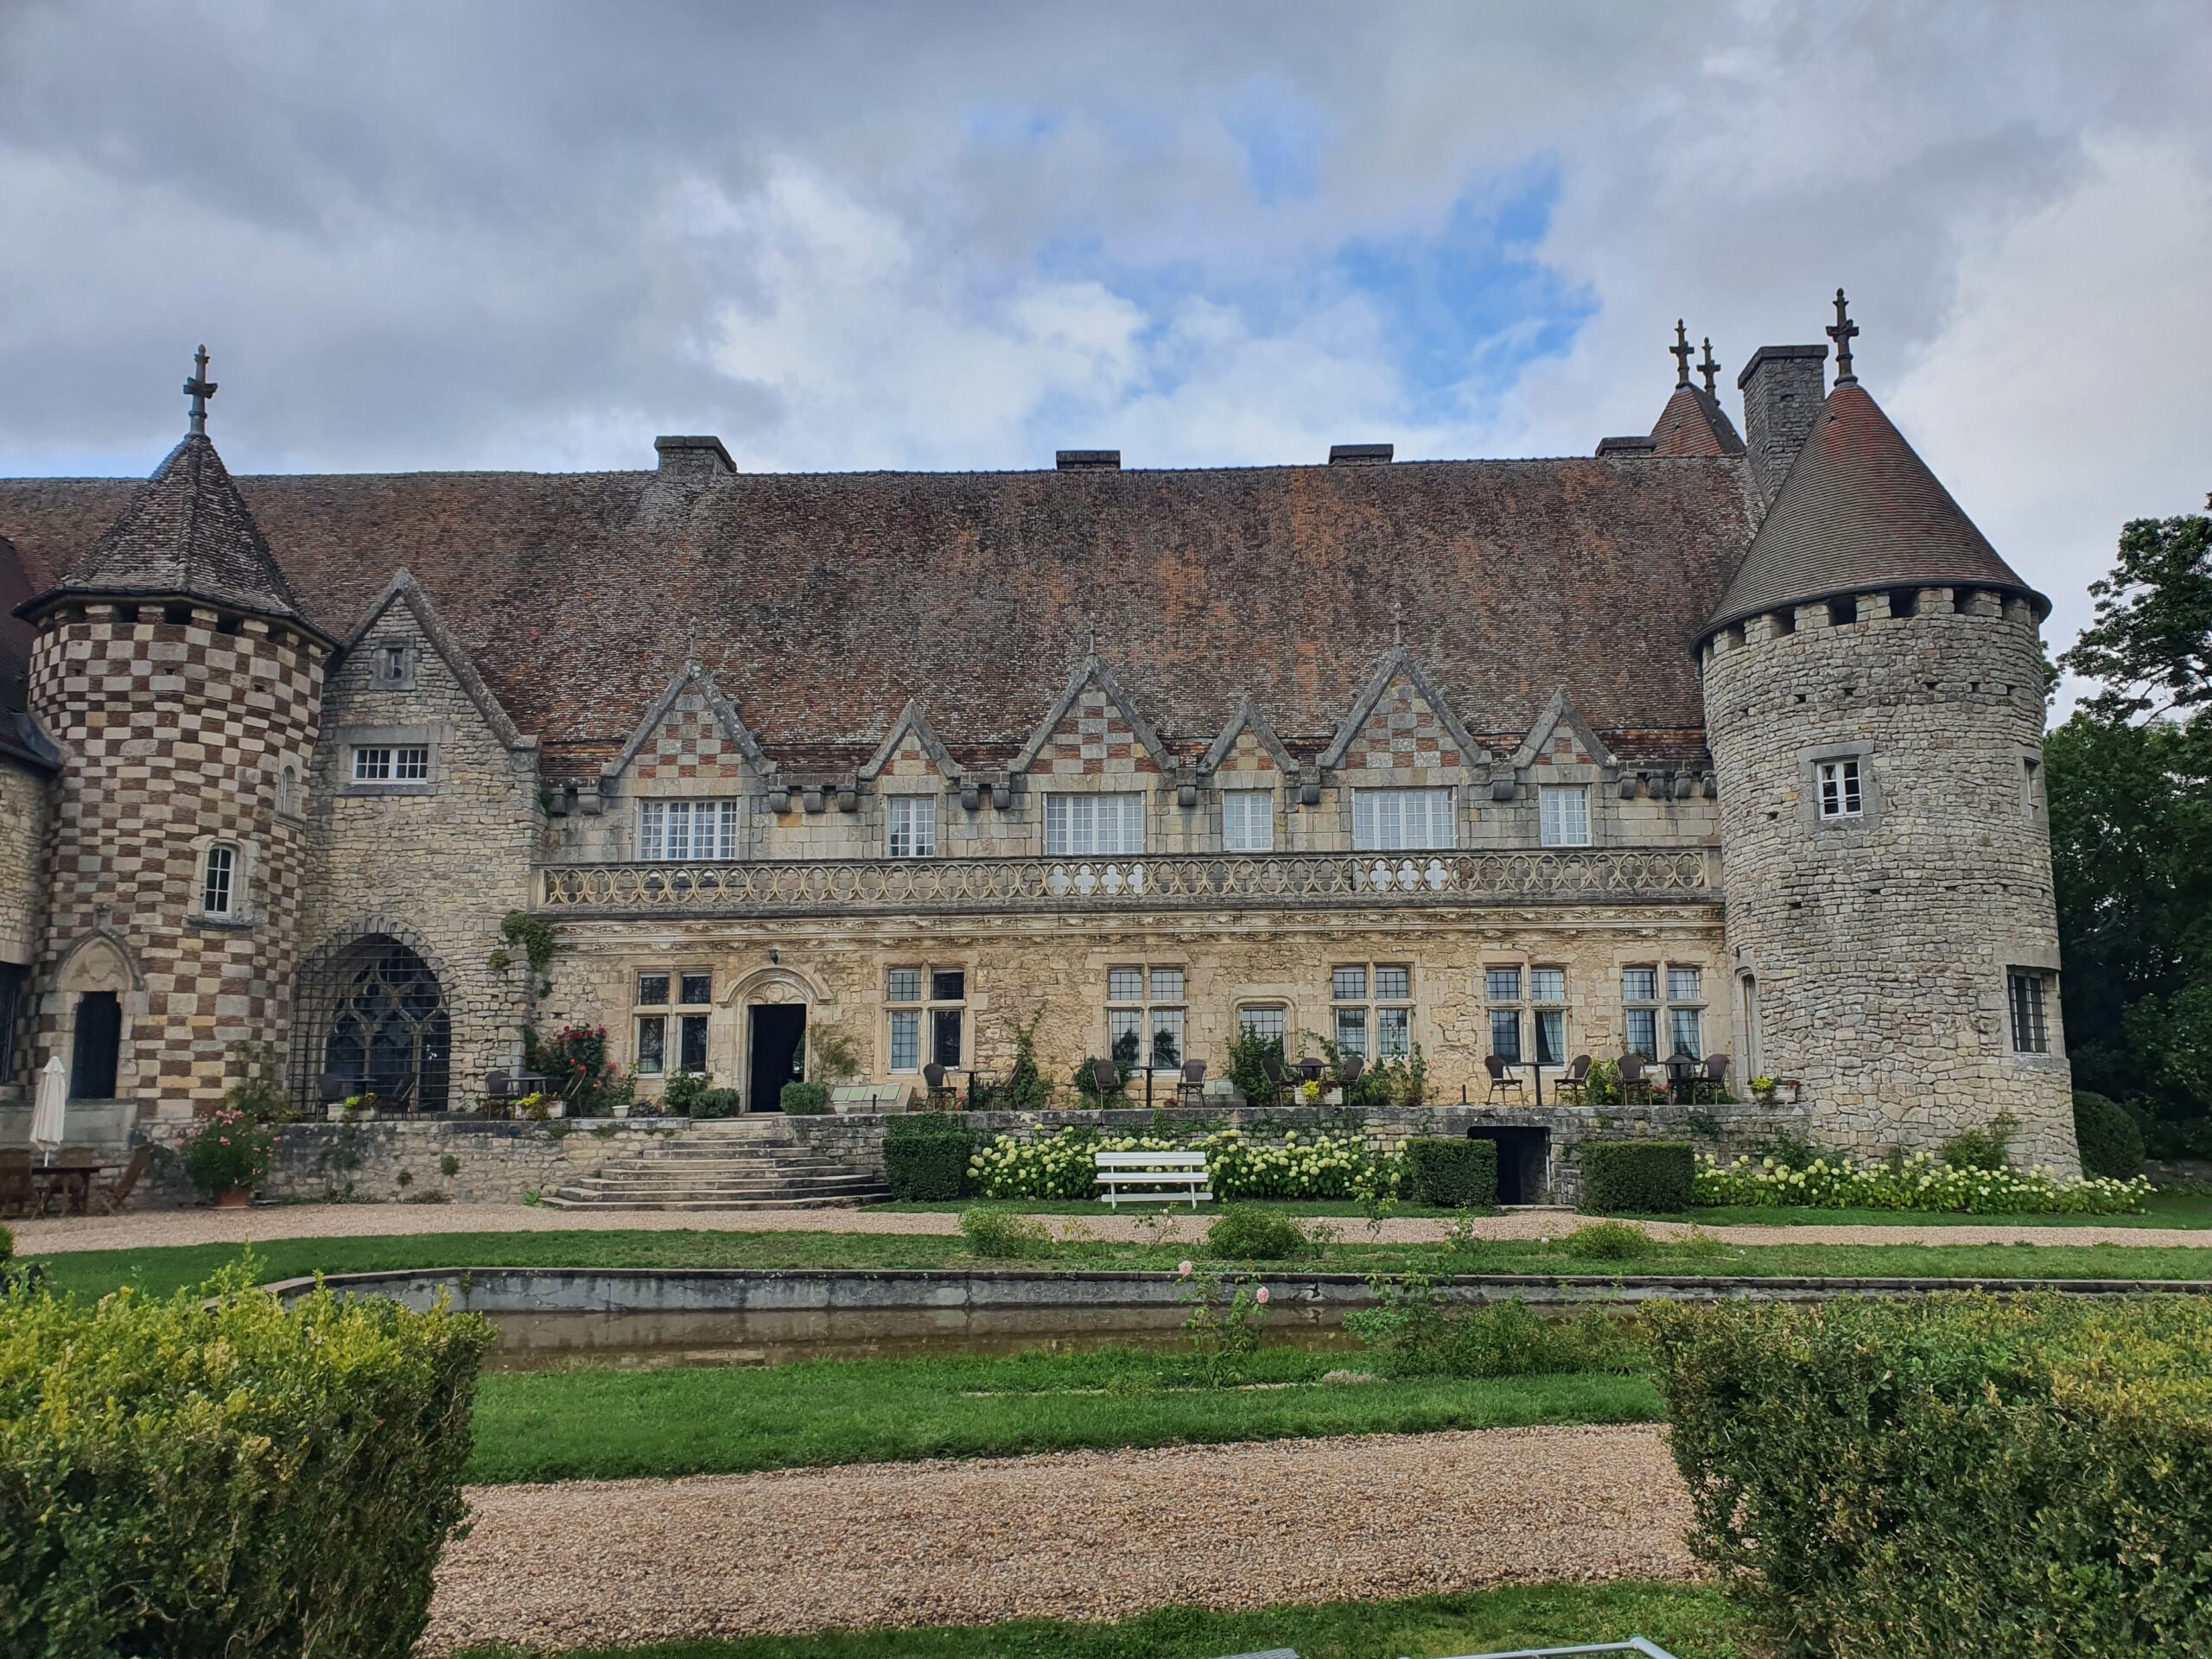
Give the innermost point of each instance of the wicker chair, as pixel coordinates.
(1279, 1081)
(1503, 1079)
(1106, 1077)
(1714, 1083)
(1574, 1082)
(1348, 1071)
(1635, 1088)
(943, 1098)
(1192, 1091)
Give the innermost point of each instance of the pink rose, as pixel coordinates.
(1183, 1270)
(1261, 1296)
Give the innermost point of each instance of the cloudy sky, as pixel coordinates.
(535, 235)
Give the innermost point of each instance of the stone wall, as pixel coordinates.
(1877, 946)
(1054, 969)
(435, 865)
(26, 807)
(181, 727)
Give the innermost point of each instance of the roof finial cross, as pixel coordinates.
(199, 389)
(1843, 333)
(1680, 351)
(1709, 369)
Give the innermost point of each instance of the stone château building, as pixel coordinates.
(1698, 744)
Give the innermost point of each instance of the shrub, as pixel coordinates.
(1245, 1232)
(806, 1099)
(1024, 1088)
(1638, 1177)
(233, 1477)
(227, 1152)
(1952, 1474)
(716, 1102)
(1452, 1174)
(1837, 1181)
(1003, 1234)
(1989, 1148)
(1609, 1240)
(1417, 1332)
(1056, 1166)
(685, 1088)
(2112, 1145)
(1321, 1166)
(925, 1165)
(7, 1244)
(1248, 1054)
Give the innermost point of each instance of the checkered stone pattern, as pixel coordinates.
(1565, 750)
(1093, 739)
(910, 760)
(1404, 735)
(690, 746)
(176, 733)
(1247, 755)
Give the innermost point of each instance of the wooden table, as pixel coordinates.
(72, 1179)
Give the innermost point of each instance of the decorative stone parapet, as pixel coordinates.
(843, 886)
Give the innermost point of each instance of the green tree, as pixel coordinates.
(2151, 645)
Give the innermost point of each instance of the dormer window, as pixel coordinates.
(393, 667)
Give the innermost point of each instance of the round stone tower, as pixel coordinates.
(177, 674)
(1874, 700)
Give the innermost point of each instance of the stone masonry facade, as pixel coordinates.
(1469, 758)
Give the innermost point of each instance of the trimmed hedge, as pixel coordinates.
(714, 1103)
(1952, 1474)
(1452, 1174)
(806, 1099)
(1637, 1177)
(925, 1158)
(2111, 1142)
(201, 1478)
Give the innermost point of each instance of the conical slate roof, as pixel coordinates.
(1693, 424)
(1858, 512)
(186, 534)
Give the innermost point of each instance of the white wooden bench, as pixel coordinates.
(1153, 1177)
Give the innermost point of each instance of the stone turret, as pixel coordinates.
(1874, 701)
(182, 682)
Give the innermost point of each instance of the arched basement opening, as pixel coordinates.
(378, 1024)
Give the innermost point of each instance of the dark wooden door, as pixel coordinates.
(99, 1034)
(778, 1054)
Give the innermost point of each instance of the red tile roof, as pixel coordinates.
(822, 602)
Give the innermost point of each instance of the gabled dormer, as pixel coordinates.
(1402, 731)
(1094, 731)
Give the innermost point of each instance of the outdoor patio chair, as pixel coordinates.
(1713, 1084)
(330, 1088)
(1635, 1088)
(1503, 1079)
(1574, 1082)
(1106, 1077)
(402, 1098)
(943, 1098)
(1348, 1071)
(1279, 1081)
(109, 1197)
(1193, 1090)
(18, 1193)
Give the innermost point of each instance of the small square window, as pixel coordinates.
(1547, 984)
(696, 988)
(1683, 984)
(1840, 796)
(2031, 1030)
(1502, 984)
(904, 985)
(1393, 983)
(652, 990)
(1564, 815)
(1125, 984)
(1348, 984)
(1167, 984)
(410, 765)
(1639, 984)
(948, 985)
(372, 766)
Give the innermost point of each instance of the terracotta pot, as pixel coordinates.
(236, 1198)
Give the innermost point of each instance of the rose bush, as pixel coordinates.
(226, 1151)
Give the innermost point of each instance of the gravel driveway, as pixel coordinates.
(1082, 1535)
(156, 1227)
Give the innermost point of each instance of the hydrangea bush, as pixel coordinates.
(1333, 1167)
(1917, 1181)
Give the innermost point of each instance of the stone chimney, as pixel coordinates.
(700, 458)
(1783, 387)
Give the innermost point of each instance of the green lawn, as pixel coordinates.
(610, 1424)
(162, 1271)
(1694, 1622)
(2167, 1210)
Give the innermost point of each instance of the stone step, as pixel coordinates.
(730, 1189)
(565, 1199)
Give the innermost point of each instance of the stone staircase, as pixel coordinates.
(730, 1163)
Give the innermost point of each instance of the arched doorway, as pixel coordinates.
(384, 1025)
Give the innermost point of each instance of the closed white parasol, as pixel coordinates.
(52, 1107)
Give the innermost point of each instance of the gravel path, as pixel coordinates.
(151, 1228)
(1082, 1535)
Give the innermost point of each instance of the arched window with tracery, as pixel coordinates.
(379, 1025)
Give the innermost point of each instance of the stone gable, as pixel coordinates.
(689, 748)
(1405, 733)
(1247, 755)
(1093, 739)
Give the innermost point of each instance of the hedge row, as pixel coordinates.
(925, 1158)
(1637, 1177)
(190, 1478)
(1952, 1475)
(1460, 1175)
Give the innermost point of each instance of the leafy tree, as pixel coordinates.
(2151, 642)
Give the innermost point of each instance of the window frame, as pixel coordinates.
(1666, 1008)
(1260, 802)
(1367, 811)
(674, 1018)
(1537, 1010)
(232, 856)
(1061, 810)
(657, 813)
(402, 765)
(920, 827)
(2028, 1016)
(1377, 1011)
(925, 1009)
(1550, 834)
(1142, 1011)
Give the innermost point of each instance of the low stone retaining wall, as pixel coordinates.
(496, 1160)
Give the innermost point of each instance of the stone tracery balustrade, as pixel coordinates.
(1172, 881)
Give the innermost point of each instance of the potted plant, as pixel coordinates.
(1765, 1090)
(226, 1156)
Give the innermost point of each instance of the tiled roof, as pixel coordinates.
(1693, 424)
(821, 603)
(186, 533)
(1857, 512)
